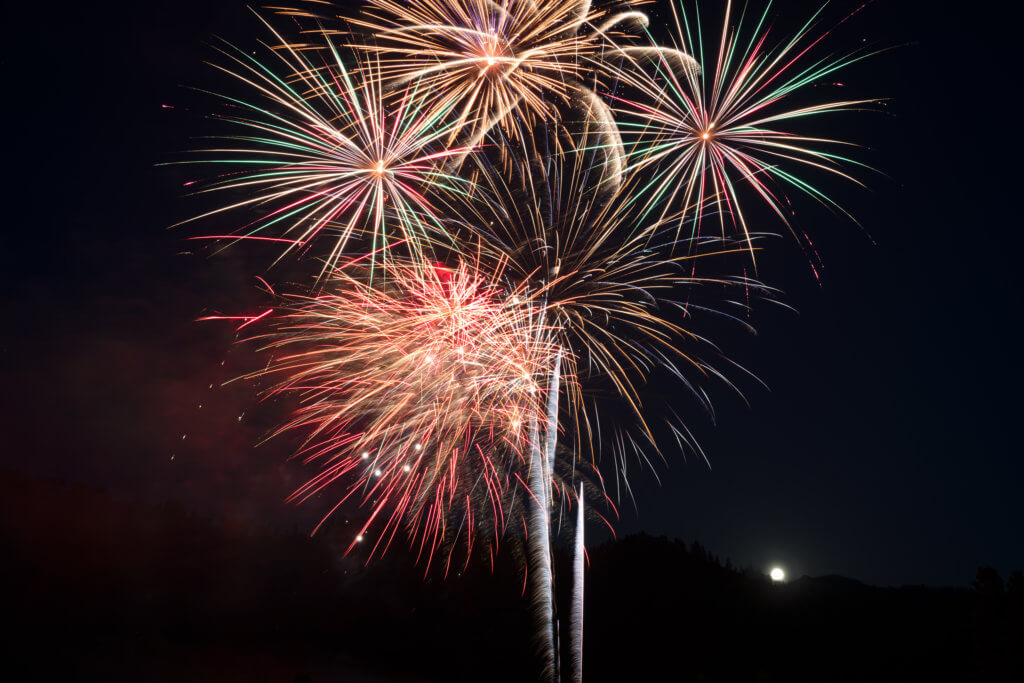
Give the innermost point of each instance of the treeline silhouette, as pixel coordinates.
(104, 589)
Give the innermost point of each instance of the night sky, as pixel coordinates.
(885, 447)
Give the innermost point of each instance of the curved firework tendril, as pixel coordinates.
(328, 157)
(707, 128)
(418, 391)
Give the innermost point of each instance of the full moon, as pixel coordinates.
(777, 574)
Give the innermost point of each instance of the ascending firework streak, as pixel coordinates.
(576, 626)
(538, 536)
(325, 157)
(707, 131)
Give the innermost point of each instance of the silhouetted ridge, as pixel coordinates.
(104, 589)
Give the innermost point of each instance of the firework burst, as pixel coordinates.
(419, 393)
(502, 63)
(321, 154)
(712, 126)
(615, 297)
(498, 58)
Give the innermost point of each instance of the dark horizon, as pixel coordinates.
(883, 449)
(137, 591)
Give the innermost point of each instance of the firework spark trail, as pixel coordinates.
(539, 554)
(551, 429)
(540, 543)
(576, 622)
(708, 131)
(418, 391)
(326, 157)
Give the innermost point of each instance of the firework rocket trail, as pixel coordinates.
(539, 554)
(551, 431)
(538, 537)
(576, 622)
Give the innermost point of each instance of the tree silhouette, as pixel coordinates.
(988, 583)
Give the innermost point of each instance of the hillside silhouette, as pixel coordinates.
(106, 589)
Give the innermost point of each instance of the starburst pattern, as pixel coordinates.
(711, 127)
(322, 156)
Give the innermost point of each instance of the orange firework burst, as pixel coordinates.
(491, 57)
(420, 393)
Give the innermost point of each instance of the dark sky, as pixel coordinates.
(884, 449)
